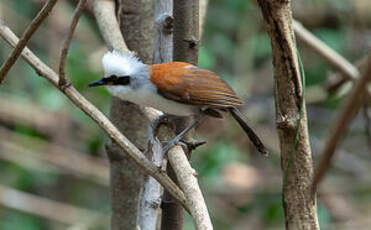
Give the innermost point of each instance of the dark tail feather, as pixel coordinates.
(236, 114)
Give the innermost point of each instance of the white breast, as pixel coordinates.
(148, 96)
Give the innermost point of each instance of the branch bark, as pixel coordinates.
(26, 36)
(135, 20)
(149, 212)
(104, 12)
(186, 31)
(126, 178)
(338, 130)
(187, 178)
(185, 42)
(291, 119)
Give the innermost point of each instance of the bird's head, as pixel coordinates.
(123, 73)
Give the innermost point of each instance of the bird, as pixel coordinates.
(175, 88)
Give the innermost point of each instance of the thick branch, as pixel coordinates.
(151, 198)
(291, 119)
(67, 42)
(186, 31)
(89, 109)
(26, 36)
(339, 127)
(126, 179)
(185, 48)
(163, 36)
(104, 12)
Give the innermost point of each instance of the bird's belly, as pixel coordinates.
(152, 99)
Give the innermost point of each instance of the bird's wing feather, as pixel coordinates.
(191, 85)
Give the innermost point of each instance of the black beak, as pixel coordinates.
(97, 83)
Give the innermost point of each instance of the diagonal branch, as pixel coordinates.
(339, 127)
(133, 152)
(335, 59)
(67, 42)
(187, 179)
(26, 36)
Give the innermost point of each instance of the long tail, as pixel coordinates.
(236, 114)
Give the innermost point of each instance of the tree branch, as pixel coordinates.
(187, 179)
(89, 109)
(148, 216)
(338, 129)
(151, 198)
(75, 19)
(104, 12)
(26, 36)
(185, 49)
(291, 118)
(203, 12)
(334, 58)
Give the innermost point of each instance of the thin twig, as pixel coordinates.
(339, 127)
(338, 82)
(26, 36)
(67, 42)
(131, 150)
(333, 57)
(88, 7)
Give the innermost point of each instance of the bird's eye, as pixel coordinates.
(123, 80)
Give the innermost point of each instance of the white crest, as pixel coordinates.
(120, 64)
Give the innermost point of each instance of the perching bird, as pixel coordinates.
(175, 88)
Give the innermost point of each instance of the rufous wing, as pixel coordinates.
(189, 84)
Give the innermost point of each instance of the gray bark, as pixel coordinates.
(186, 41)
(149, 211)
(135, 19)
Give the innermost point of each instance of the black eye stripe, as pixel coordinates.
(124, 80)
(118, 80)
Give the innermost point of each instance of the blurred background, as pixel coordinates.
(53, 168)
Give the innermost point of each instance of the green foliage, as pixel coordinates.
(21, 221)
(210, 163)
(324, 217)
(273, 211)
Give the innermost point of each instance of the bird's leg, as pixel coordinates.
(176, 139)
(153, 141)
(163, 119)
(192, 145)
